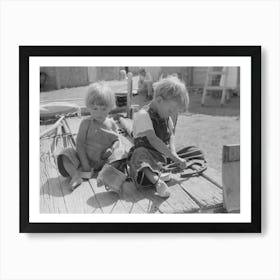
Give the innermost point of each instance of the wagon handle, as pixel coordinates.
(52, 129)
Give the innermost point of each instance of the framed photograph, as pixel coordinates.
(140, 139)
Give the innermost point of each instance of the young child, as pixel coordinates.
(145, 83)
(97, 137)
(153, 135)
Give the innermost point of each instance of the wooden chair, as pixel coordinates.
(222, 75)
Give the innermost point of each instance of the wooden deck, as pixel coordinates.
(197, 194)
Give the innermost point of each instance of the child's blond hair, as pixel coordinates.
(100, 94)
(171, 88)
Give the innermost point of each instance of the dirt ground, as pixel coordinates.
(209, 127)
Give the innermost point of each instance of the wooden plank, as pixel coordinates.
(120, 208)
(80, 199)
(213, 176)
(107, 201)
(145, 198)
(156, 203)
(52, 190)
(180, 200)
(203, 192)
(141, 204)
(231, 177)
(128, 202)
(46, 201)
(231, 182)
(231, 153)
(97, 211)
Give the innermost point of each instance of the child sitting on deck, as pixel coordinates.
(153, 135)
(97, 137)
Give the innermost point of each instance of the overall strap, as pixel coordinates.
(89, 120)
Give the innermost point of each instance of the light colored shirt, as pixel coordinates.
(143, 123)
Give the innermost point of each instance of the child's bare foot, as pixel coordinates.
(162, 189)
(75, 182)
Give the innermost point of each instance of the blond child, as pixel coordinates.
(153, 135)
(97, 137)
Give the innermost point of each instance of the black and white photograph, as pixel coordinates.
(158, 136)
(112, 142)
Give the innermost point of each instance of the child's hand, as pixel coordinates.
(181, 162)
(107, 153)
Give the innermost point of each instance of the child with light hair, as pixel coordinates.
(153, 132)
(97, 137)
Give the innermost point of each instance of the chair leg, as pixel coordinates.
(205, 87)
(224, 84)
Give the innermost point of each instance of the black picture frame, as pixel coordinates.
(254, 52)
